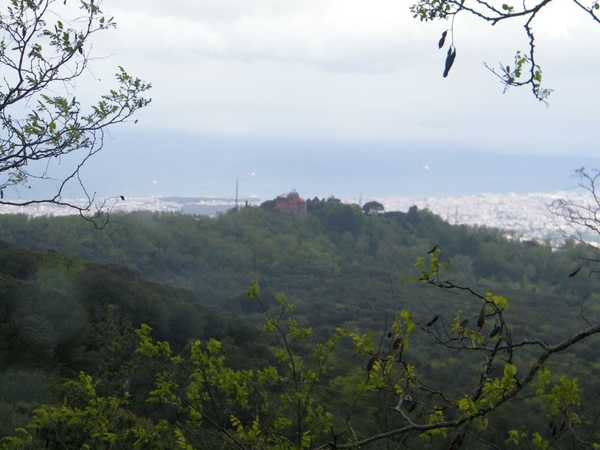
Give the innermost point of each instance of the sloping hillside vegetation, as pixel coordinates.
(72, 301)
(60, 315)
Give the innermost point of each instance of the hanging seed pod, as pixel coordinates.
(449, 60)
(481, 320)
(433, 249)
(432, 321)
(443, 39)
(456, 442)
(495, 331)
(508, 344)
(371, 363)
(575, 271)
(397, 344)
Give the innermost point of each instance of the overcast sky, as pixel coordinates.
(350, 71)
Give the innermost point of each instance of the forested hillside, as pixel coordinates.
(60, 315)
(72, 301)
(216, 257)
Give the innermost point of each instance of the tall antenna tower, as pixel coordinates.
(236, 195)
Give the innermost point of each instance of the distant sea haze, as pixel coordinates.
(266, 169)
(148, 164)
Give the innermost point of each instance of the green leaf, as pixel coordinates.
(510, 370)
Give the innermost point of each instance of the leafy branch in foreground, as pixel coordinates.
(273, 406)
(86, 420)
(526, 71)
(490, 341)
(446, 382)
(279, 404)
(42, 54)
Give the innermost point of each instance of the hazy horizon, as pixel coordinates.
(153, 164)
(269, 167)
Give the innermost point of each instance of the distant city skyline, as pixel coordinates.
(524, 215)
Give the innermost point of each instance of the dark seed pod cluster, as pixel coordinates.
(451, 55)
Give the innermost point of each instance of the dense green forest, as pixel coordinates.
(72, 297)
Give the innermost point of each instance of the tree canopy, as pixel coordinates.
(373, 207)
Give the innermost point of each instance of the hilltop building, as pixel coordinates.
(292, 202)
